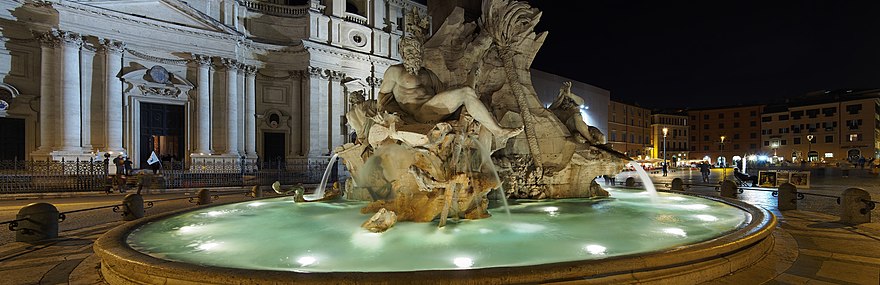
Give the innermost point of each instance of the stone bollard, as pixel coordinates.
(630, 182)
(677, 184)
(133, 207)
(787, 195)
(728, 189)
(204, 197)
(41, 223)
(852, 210)
(256, 192)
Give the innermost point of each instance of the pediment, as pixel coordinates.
(168, 11)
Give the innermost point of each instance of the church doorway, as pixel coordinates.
(11, 139)
(273, 147)
(162, 131)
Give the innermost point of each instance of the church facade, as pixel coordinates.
(226, 80)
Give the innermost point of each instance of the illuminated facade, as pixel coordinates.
(677, 130)
(218, 80)
(629, 129)
(740, 126)
(844, 126)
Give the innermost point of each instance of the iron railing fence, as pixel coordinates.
(19, 176)
(27, 176)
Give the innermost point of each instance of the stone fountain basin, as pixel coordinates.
(697, 262)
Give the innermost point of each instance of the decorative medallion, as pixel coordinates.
(357, 38)
(159, 74)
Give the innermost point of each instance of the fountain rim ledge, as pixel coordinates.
(698, 262)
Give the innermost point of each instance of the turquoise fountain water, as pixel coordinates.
(278, 234)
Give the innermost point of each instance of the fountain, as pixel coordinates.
(425, 167)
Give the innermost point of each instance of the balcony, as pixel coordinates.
(276, 9)
(355, 18)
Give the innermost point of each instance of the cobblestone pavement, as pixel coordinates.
(79, 220)
(70, 259)
(825, 185)
(810, 246)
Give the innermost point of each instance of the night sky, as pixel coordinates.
(693, 54)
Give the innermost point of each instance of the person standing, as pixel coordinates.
(127, 165)
(665, 169)
(119, 165)
(704, 170)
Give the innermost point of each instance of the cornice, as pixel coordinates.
(82, 8)
(346, 54)
(162, 60)
(292, 49)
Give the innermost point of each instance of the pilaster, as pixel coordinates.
(113, 55)
(71, 101)
(203, 105)
(232, 110)
(250, 112)
(48, 95)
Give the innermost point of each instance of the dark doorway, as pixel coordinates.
(273, 147)
(162, 131)
(11, 139)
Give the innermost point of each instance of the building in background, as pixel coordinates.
(547, 87)
(824, 127)
(677, 144)
(217, 80)
(740, 126)
(629, 129)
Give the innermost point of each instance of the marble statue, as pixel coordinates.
(567, 107)
(419, 93)
(460, 118)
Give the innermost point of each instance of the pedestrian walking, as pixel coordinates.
(704, 169)
(127, 165)
(665, 169)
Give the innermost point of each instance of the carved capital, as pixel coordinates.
(231, 64)
(315, 72)
(374, 81)
(200, 59)
(69, 39)
(47, 39)
(336, 75)
(249, 70)
(112, 46)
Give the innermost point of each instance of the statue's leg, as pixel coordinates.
(446, 102)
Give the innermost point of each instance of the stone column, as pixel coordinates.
(232, 114)
(250, 124)
(336, 130)
(70, 92)
(86, 64)
(203, 105)
(113, 93)
(48, 61)
(317, 108)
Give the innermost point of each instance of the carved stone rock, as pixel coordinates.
(381, 221)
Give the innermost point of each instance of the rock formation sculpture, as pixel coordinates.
(448, 125)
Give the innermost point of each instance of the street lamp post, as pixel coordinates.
(810, 140)
(723, 169)
(665, 131)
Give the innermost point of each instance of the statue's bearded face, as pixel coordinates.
(411, 52)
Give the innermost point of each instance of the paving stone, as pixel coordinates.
(849, 272)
